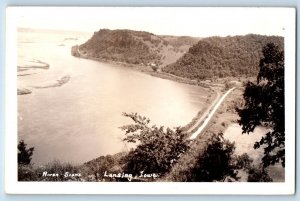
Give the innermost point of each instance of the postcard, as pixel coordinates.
(150, 100)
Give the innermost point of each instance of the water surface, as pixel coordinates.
(80, 120)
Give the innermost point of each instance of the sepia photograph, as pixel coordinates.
(160, 95)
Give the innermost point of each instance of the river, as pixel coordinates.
(80, 119)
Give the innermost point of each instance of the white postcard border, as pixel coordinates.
(12, 186)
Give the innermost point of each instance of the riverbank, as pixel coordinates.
(213, 89)
(224, 118)
(75, 51)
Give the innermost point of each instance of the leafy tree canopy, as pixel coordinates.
(157, 148)
(264, 105)
(217, 163)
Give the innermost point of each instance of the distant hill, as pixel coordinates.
(133, 47)
(222, 57)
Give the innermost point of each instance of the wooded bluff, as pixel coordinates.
(183, 56)
(223, 57)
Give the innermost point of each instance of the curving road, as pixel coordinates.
(198, 122)
(209, 115)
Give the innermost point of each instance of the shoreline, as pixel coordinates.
(144, 69)
(213, 90)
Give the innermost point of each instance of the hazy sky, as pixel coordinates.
(200, 22)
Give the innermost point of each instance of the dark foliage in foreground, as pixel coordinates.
(27, 173)
(264, 105)
(258, 175)
(24, 154)
(157, 148)
(217, 163)
(95, 169)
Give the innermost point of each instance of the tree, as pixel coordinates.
(264, 105)
(24, 154)
(157, 148)
(98, 166)
(258, 175)
(217, 163)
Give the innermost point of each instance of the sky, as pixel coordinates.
(191, 21)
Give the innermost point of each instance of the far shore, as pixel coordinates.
(141, 68)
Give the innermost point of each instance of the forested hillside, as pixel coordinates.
(222, 56)
(133, 47)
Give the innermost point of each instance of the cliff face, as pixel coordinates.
(133, 47)
(222, 57)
